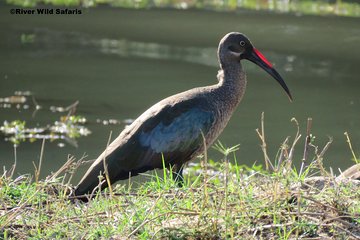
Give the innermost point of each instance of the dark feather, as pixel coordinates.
(173, 127)
(173, 132)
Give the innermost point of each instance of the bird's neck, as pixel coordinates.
(226, 95)
(232, 81)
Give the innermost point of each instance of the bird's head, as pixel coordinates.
(235, 46)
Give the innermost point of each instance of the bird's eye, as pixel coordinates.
(242, 43)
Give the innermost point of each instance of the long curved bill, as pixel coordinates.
(256, 57)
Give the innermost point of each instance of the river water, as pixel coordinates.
(118, 62)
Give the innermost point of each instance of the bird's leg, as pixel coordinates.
(177, 171)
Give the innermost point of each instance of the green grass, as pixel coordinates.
(255, 204)
(220, 200)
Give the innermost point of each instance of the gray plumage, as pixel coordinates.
(173, 127)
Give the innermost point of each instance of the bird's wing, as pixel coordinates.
(177, 135)
(173, 132)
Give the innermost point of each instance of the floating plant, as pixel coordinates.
(68, 128)
(15, 130)
(112, 121)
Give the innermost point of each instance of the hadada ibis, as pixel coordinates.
(173, 128)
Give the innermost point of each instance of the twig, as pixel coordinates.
(75, 167)
(17, 210)
(283, 147)
(307, 143)
(270, 226)
(71, 108)
(204, 166)
(147, 215)
(292, 149)
(12, 170)
(351, 148)
(263, 144)
(106, 167)
(61, 169)
(343, 229)
(226, 191)
(320, 157)
(161, 215)
(320, 203)
(337, 218)
(340, 219)
(37, 107)
(38, 169)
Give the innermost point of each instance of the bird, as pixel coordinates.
(178, 128)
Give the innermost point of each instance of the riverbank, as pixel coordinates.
(218, 201)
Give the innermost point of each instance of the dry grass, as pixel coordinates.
(219, 201)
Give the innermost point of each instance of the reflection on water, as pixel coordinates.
(47, 42)
(79, 43)
(204, 56)
(337, 7)
(68, 128)
(127, 48)
(18, 100)
(317, 7)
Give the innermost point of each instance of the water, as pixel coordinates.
(118, 62)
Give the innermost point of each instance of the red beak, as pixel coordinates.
(259, 59)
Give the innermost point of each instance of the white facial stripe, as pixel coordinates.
(236, 54)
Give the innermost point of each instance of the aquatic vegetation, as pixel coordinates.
(15, 130)
(68, 128)
(19, 100)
